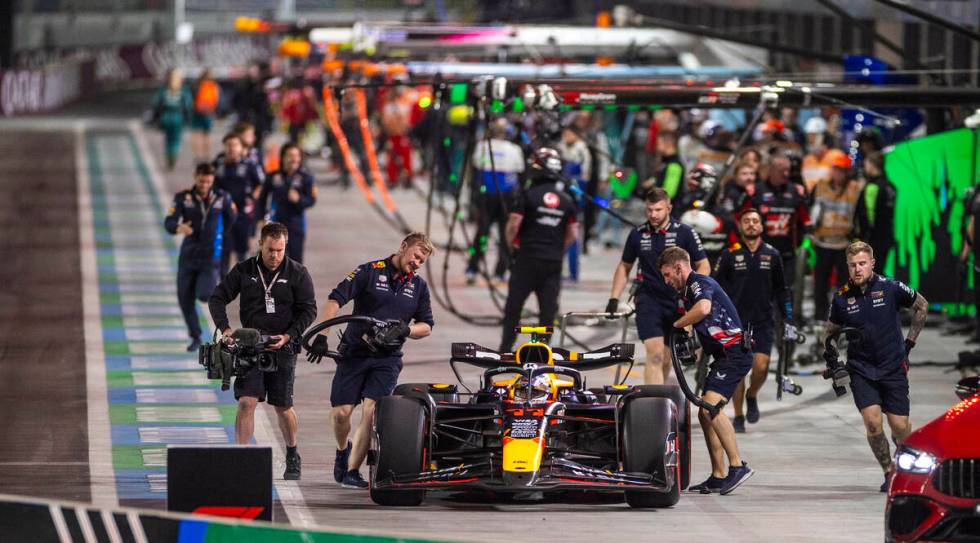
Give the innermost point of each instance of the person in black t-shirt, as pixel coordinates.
(277, 299)
(541, 227)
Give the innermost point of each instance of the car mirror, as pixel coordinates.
(967, 387)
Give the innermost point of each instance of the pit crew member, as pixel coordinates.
(877, 362)
(709, 310)
(203, 215)
(386, 289)
(656, 304)
(751, 273)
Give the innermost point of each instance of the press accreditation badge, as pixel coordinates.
(270, 304)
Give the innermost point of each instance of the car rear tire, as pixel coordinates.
(647, 423)
(401, 426)
(683, 422)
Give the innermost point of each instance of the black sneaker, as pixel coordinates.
(352, 479)
(293, 467)
(340, 463)
(736, 476)
(195, 345)
(710, 485)
(751, 409)
(739, 424)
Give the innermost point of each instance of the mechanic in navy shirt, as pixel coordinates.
(541, 227)
(383, 289)
(878, 361)
(240, 178)
(751, 273)
(203, 215)
(286, 195)
(656, 305)
(709, 310)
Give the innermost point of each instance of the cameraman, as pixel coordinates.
(388, 290)
(276, 299)
(878, 362)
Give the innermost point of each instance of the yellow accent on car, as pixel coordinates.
(439, 385)
(534, 330)
(522, 455)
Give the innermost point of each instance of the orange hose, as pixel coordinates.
(330, 111)
(371, 152)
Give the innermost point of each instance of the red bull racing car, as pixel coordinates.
(532, 425)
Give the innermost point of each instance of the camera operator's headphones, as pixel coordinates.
(378, 336)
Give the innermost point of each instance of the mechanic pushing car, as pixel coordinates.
(709, 310)
(751, 273)
(277, 299)
(541, 227)
(203, 215)
(878, 361)
(389, 290)
(656, 305)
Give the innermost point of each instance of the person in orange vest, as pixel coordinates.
(207, 96)
(834, 203)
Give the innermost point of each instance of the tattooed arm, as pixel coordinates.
(920, 309)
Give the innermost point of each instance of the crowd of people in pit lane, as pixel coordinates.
(662, 168)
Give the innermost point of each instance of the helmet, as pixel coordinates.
(703, 177)
(546, 158)
(539, 391)
(838, 159)
(708, 129)
(815, 125)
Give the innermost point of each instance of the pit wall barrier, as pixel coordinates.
(32, 520)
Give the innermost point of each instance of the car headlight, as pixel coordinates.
(913, 461)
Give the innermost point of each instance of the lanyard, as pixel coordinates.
(205, 209)
(268, 286)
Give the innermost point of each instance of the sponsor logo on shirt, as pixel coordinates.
(551, 200)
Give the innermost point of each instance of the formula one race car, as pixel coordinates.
(532, 426)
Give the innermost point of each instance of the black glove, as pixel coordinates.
(391, 336)
(830, 356)
(611, 307)
(909, 345)
(317, 350)
(841, 377)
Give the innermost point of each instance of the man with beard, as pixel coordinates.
(656, 302)
(751, 272)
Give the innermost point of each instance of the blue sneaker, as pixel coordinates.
(736, 476)
(340, 463)
(709, 486)
(752, 409)
(353, 479)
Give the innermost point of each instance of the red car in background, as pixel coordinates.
(935, 486)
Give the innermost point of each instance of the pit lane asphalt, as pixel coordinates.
(816, 478)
